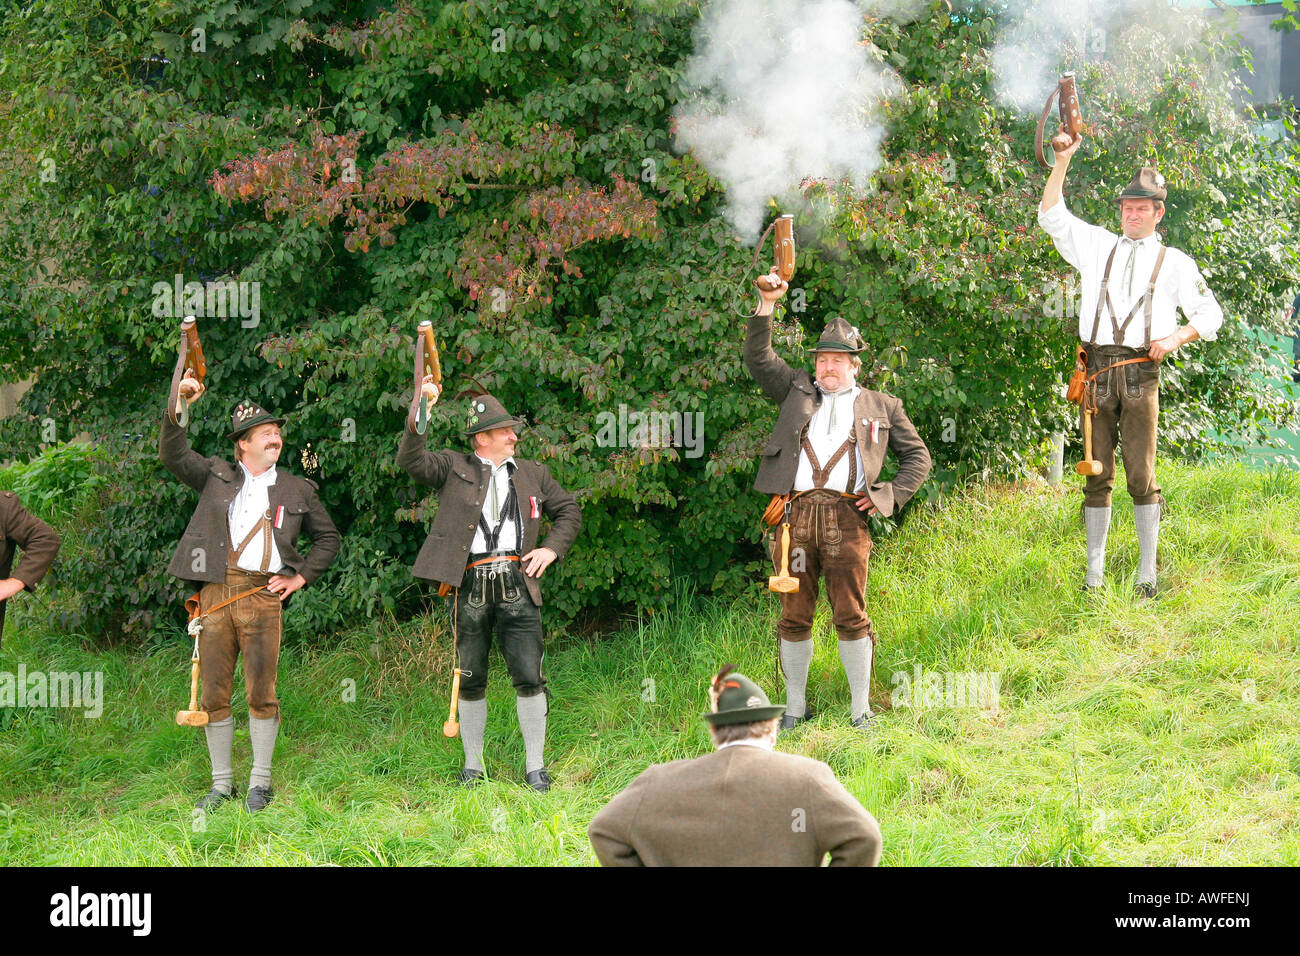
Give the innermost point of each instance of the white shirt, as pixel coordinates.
(764, 743)
(1086, 247)
(493, 504)
(826, 440)
(247, 510)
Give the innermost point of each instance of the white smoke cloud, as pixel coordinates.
(782, 91)
(1038, 38)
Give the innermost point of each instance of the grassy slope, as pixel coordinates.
(1127, 733)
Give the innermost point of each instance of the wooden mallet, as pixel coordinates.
(783, 582)
(193, 717)
(452, 727)
(1089, 466)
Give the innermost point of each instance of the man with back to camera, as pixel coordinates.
(742, 805)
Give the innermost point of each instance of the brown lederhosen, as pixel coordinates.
(828, 538)
(249, 626)
(1126, 401)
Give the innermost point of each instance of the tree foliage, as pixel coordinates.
(505, 169)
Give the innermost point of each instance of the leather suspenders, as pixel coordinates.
(262, 527)
(1103, 297)
(822, 473)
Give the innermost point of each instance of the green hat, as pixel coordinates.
(486, 412)
(839, 336)
(738, 700)
(248, 414)
(1147, 184)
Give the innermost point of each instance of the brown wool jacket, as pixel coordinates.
(798, 397)
(461, 480)
(201, 555)
(739, 806)
(21, 529)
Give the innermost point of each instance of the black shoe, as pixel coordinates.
(469, 779)
(258, 798)
(215, 798)
(1145, 590)
(539, 780)
(862, 723)
(789, 722)
(1089, 588)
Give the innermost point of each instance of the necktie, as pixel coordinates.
(1128, 269)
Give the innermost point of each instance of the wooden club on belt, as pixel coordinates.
(782, 271)
(1089, 465)
(452, 726)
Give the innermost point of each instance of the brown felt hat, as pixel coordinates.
(1147, 184)
(248, 415)
(839, 336)
(486, 412)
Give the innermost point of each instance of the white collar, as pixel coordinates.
(1153, 239)
(265, 478)
(844, 391)
(765, 744)
(488, 461)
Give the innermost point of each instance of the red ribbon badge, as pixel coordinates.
(279, 516)
(532, 500)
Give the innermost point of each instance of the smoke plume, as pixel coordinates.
(782, 91)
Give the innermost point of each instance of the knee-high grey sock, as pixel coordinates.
(221, 734)
(532, 724)
(262, 731)
(1096, 522)
(1147, 519)
(795, 658)
(856, 658)
(473, 722)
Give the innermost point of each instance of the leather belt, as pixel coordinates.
(490, 559)
(826, 491)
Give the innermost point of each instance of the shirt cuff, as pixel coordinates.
(1207, 328)
(1054, 219)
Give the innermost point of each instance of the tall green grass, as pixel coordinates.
(1126, 732)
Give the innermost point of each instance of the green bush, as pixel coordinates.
(515, 183)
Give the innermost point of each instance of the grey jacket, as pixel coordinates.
(201, 554)
(461, 480)
(739, 806)
(794, 391)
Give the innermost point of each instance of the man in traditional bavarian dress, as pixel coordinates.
(40, 544)
(241, 549)
(483, 544)
(746, 804)
(828, 448)
(1132, 285)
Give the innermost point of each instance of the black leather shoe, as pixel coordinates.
(215, 798)
(258, 798)
(1089, 588)
(469, 779)
(1145, 590)
(539, 780)
(789, 723)
(862, 723)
